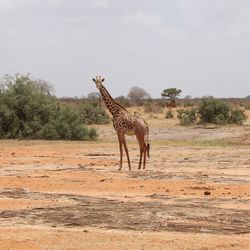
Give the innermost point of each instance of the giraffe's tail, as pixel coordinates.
(148, 148)
(148, 145)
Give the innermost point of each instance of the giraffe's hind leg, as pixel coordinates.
(144, 155)
(141, 153)
(121, 150)
(140, 138)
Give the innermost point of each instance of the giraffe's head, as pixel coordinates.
(98, 81)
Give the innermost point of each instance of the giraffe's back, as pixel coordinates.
(130, 125)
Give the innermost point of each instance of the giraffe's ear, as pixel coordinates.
(103, 79)
(93, 79)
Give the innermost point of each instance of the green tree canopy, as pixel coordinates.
(27, 110)
(171, 93)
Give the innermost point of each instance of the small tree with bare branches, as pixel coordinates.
(136, 94)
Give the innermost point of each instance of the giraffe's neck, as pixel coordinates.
(114, 108)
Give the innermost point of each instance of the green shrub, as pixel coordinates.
(213, 111)
(218, 112)
(93, 114)
(26, 112)
(92, 133)
(169, 114)
(237, 116)
(48, 132)
(187, 116)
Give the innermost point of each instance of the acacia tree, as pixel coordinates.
(171, 94)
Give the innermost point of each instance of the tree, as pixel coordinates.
(38, 85)
(137, 93)
(171, 93)
(26, 111)
(44, 87)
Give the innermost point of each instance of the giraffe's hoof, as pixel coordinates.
(119, 168)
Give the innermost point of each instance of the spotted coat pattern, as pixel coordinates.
(130, 125)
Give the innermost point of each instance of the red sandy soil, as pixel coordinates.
(194, 193)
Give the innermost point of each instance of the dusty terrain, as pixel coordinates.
(194, 193)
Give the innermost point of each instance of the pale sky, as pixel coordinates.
(199, 46)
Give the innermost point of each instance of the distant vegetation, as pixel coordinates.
(214, 111)
(187, 116)
(171, 94)
(136, 95)
(28, 111)
(153, 107)
(139, 97)
(189, 110)
(180, 102)
(169, 114)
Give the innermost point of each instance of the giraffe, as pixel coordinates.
(125, 124)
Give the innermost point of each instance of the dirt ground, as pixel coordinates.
(194, 193)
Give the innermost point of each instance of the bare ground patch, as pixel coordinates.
(182, 215)
(191, 196)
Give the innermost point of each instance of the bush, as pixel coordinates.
(237, 116)
(213, 111)
(187, 116)
(93, 114)
(169, 114)
(26, 112)
(218, 112)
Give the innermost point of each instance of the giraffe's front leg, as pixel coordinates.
(126, 150)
